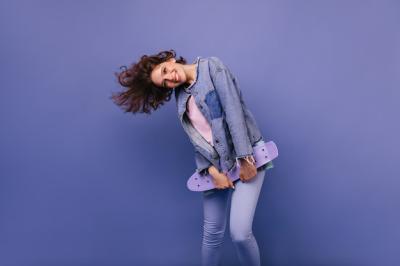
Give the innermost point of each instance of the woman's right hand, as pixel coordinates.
(220, 180)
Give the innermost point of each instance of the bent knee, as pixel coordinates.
(213, 232)
(241, 236)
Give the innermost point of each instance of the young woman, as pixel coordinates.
(223, 132)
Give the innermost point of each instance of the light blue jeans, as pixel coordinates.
(243, 205)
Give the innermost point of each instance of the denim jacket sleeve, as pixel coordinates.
(202, 163)
(230, 97)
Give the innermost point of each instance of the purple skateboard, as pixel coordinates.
(262, 154)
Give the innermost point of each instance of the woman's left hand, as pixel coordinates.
(247, 169)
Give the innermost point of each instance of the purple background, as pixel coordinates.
(82, 183)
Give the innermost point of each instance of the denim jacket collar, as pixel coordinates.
(197, 62)
(185, 92)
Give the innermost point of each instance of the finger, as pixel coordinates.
(231, 183)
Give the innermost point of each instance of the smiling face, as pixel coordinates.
(168, 74)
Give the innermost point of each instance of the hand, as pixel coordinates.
(220, 180)
(247, 169)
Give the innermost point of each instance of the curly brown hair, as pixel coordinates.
(142, 94)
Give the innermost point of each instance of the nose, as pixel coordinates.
(171, 75)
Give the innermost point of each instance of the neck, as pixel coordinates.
(190, 71)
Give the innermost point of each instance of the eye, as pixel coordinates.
(163, 82)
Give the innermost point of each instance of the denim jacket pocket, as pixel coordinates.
(214, 104)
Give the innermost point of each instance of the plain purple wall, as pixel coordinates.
(82, 183)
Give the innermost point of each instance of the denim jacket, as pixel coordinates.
(234, 129)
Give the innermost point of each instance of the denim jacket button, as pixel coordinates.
(216, 141)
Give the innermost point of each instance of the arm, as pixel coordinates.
(229, 95)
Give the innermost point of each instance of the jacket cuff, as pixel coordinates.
(202, 164)
(249, 158)
(203, 171)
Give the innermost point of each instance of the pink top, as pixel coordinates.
(198, 120)
(200, 123)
